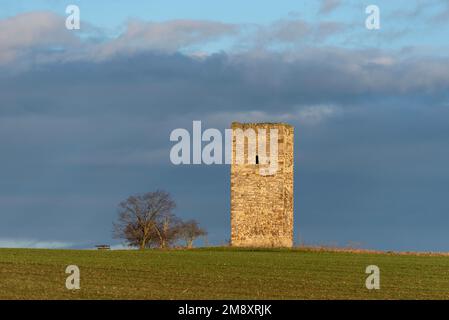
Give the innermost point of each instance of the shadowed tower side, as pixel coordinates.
(262, 204)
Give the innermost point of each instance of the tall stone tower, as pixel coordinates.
(262, 199)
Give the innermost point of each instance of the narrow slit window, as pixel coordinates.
(257, 159)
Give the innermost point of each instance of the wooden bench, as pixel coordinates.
(103, 247)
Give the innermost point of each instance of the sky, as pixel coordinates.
(86, 115)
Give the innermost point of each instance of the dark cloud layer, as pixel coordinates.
(371, 142)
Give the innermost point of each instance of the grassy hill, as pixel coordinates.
(220, 273)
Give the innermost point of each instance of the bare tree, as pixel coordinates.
(189, 231)
(140, 218)
(167, 231)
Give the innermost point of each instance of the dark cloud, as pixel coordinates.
(162, 85)
(432, 11)
(328, 6)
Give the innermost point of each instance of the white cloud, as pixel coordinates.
(34, 244)
(328, 6)
(168, 36)
(305, 115)
(316, 114)
(39, 37)
(294, 32)
(45, 37)
(34, 30)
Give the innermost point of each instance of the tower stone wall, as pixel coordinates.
(262, 205)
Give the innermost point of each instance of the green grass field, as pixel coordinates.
(220, 273)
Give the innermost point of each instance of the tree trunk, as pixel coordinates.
(142, 244)
(161, 239)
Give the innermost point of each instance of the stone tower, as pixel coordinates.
(262, 199)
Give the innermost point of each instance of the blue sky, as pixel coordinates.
(413, 23)
(85, 116)
(112, 13)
